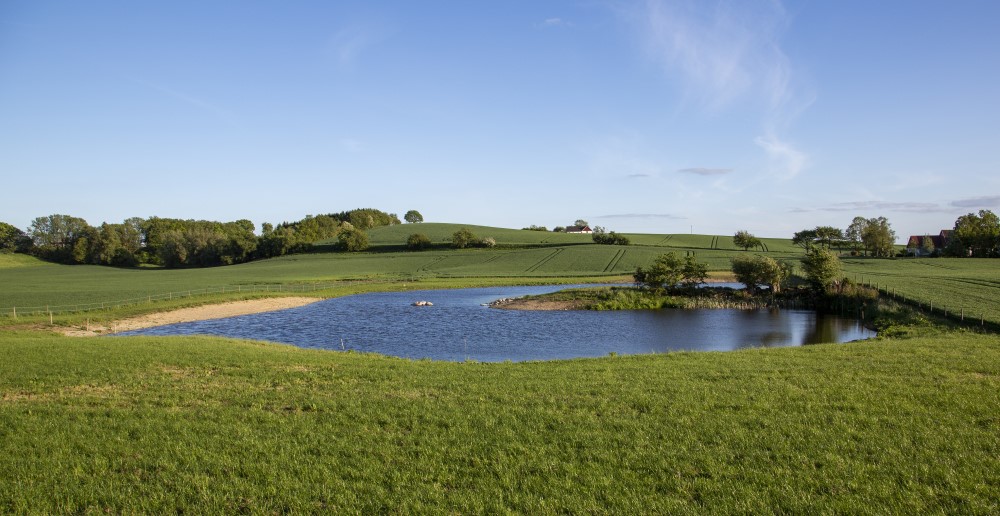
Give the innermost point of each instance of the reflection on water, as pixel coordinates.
(458, 327)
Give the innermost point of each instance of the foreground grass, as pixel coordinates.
(214, 425)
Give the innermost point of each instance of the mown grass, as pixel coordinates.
(214, 425)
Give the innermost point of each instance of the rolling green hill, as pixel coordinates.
(972, 285)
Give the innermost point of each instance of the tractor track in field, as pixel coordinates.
(544, 260)
(426, 267)
(614, 260)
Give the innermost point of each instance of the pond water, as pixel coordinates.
(459, 328)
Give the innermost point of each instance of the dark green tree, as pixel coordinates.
(828, 235)
(56, 237)
(12, 239)
(979, 233)
(668, 272)
(878, 237)
(602, 236)
(757, 270)
(352, 239)
(413, 217)
(745, 240)
(822, 268)
(805, 238)
(855, 233)
(463, 238)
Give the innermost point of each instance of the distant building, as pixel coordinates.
(579, 229)
(915, 244)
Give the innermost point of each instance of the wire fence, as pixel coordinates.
(964, 315)
(27, 311)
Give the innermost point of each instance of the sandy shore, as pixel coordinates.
(197, 313)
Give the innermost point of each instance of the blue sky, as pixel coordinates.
(657, 117)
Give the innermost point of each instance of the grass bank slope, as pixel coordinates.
(213, 425)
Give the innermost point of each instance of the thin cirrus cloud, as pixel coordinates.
(908, 207)
(349, 43)
(642, 216)
(556, 22)
(729, 53)
(704, 171)
(977, 202)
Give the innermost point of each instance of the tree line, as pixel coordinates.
(175, 243)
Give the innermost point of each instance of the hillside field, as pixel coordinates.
(521, 256)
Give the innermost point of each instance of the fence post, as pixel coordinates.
(15, 312)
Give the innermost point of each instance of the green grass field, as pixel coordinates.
(212, 425)
(215, 425)
(522, 256)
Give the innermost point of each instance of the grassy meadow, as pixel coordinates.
(214, 425)
(143, 424)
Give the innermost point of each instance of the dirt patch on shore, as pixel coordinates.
(196, 313)
(541, 304)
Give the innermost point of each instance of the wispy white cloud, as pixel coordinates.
(786, 160)
(638, 176)
(988, 201)
(188, 99)
(859, 206)
(725, 53)
(702, 171)
(642, 216)
(556, 22)
(349, 43)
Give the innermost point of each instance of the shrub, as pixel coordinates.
(417, 242)
(463, 238)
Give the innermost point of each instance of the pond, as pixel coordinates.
(458, 327)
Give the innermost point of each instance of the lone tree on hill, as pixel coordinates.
(413, 217)
(745, 240)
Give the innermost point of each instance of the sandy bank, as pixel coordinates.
(197, 313)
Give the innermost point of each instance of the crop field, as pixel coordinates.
(969, 286)
(156, 425)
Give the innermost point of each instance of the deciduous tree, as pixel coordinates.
(417, 242)
(463, 238)
(413, 217)
(822, 268)
(669, 271)
(979, 232)
(757, 270)
(745, 240)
